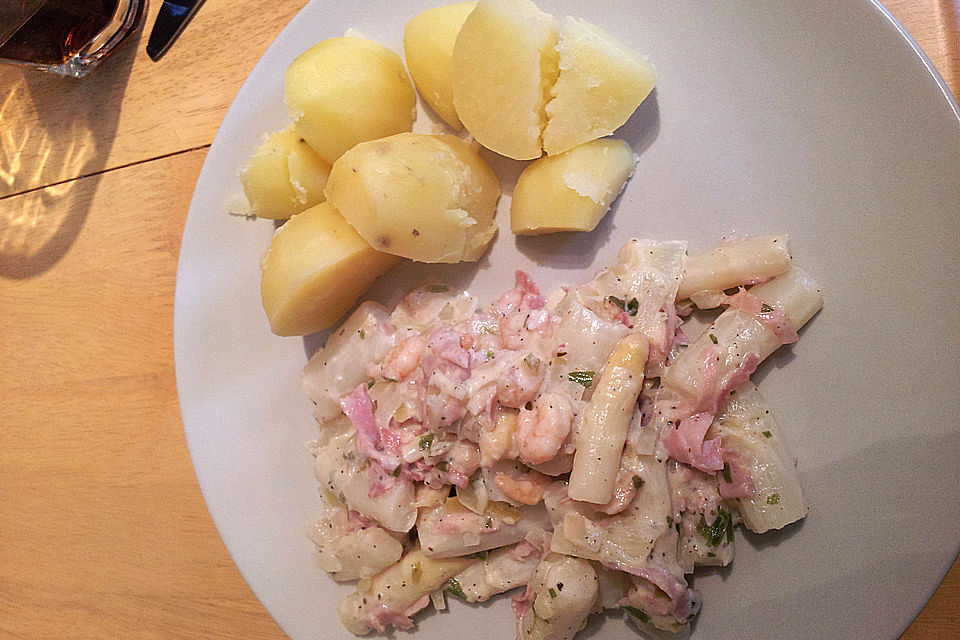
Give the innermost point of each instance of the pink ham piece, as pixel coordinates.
(359, 409)
(772, 317)
(446, 345)
(523, 297)
(685, 443)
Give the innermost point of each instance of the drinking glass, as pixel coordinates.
(68, 37)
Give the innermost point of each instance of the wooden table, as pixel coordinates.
(103, 532)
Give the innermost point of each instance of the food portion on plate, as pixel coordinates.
(498, 73)
(575, 446)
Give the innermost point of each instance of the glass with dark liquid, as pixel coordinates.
(67, 37)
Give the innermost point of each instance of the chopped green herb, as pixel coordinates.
(426, 441)
(617, 302)
(722, 527)
(640, 615)
(443, 465)
(389, 379)
(584, 378)
(552, 592)
(773, 498)
(633, 306)
(767, 434)
(713, 339)
(396, 472)
(454, 589)
(490, 354)
(727, 476)
(669, 521)
(437, 288)
(765, 308)
(711, 554)
(370, 384)
(363, 334)
(637, 482)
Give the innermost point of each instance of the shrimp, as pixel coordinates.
(527, 489)
(465, 457)
(521, 383)
(541, 431)
(404, 358)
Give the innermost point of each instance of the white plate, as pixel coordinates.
(822, 120)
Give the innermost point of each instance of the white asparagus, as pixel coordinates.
(347, 553)
(454, 530)
(341, 364)
(603, 429)
(623, 540)
(339, 470)
(399, 591)
(742, 261)
(748, 428)
(564, 591)
(501, 571)
(736, 334)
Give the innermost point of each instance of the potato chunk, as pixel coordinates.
(346, 90)
(571, 191)
(315, 270)
(601, 84)
(284, 176)
(428, 42)
(504, 63)
(428, 198)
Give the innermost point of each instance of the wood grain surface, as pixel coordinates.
(103, 531)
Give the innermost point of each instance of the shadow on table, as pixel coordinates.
(53, 130)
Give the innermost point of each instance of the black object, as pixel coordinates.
(173, 18)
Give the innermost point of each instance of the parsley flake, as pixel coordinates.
(584, 378)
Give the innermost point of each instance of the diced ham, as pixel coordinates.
(772, 317)
(685, 443)
(446, 344)
(359, 409)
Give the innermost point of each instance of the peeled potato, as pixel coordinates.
(315, 270)
(601, 84)
(348, 90)
(504, 63)
(571, 191)
(428, 198)
(284, 176)
(428, 42)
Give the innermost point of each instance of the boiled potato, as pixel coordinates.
(348, 90)
(571, 191)
(428, 42)
(504, 63)
(315, 270)
(284, 176)
(428, 198)
(601, 84)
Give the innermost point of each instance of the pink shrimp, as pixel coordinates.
(541, 431)
(525, 489)
(404, 358)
